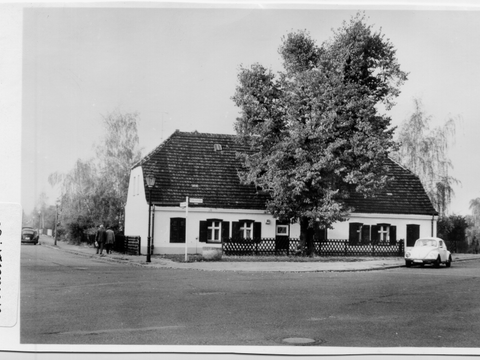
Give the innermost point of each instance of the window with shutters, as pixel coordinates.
(354, 233)
(365, 234)
(385, 234)
(177, 230)
(214, 230)
(246, 229)
(359, 233)
(320, 234)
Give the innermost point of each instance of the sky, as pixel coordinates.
(177, 67)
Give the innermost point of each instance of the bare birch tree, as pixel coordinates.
(424, 151)
(95, 190)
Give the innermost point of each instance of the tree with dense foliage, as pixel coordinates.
(314, 132)
(425, 153)
(473, 229)
(475, 208)
(453, 230)
(95, 190)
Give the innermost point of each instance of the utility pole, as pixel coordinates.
(56, 223)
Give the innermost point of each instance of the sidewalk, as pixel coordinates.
(280, 266)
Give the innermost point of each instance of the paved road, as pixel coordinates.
(70, 299)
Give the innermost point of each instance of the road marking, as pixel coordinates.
(107, 331)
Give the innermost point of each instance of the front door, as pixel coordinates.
(413, 233)
(282, 237)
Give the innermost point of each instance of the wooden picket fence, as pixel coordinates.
(334, 247)
(127, 244)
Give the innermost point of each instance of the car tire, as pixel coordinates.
(449, 261)
(437, 262)
(408, 263)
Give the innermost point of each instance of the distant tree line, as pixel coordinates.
(95, 191)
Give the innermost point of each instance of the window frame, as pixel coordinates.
(213, 229)
(246, 226)
(384, 233)
(282, 226)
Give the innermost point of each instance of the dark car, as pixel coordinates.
(29, 235)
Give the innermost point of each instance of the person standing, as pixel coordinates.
(100, 239)
(110, 240)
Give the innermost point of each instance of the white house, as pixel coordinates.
(204, 166)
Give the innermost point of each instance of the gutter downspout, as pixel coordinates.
(433, 217)
(153, 229)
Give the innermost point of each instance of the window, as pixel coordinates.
(321, 233)
(361, 234)
(246, 230)
(282, 230)
(355, 233)
(365, 234)
(214, 231)
(384, 232)
(177, 230)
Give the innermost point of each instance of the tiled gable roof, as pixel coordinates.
(187, 164)
(201, 165)
(404, 195)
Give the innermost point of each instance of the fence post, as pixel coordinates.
(345, 247)
(373, 250)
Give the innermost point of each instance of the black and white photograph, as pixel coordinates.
(247, 178)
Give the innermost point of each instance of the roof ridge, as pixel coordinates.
(195, 132)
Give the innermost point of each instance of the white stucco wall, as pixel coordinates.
(136, 208)
(195, 215)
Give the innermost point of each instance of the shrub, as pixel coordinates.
(76, 229)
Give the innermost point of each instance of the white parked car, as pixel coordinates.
(431, 250)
